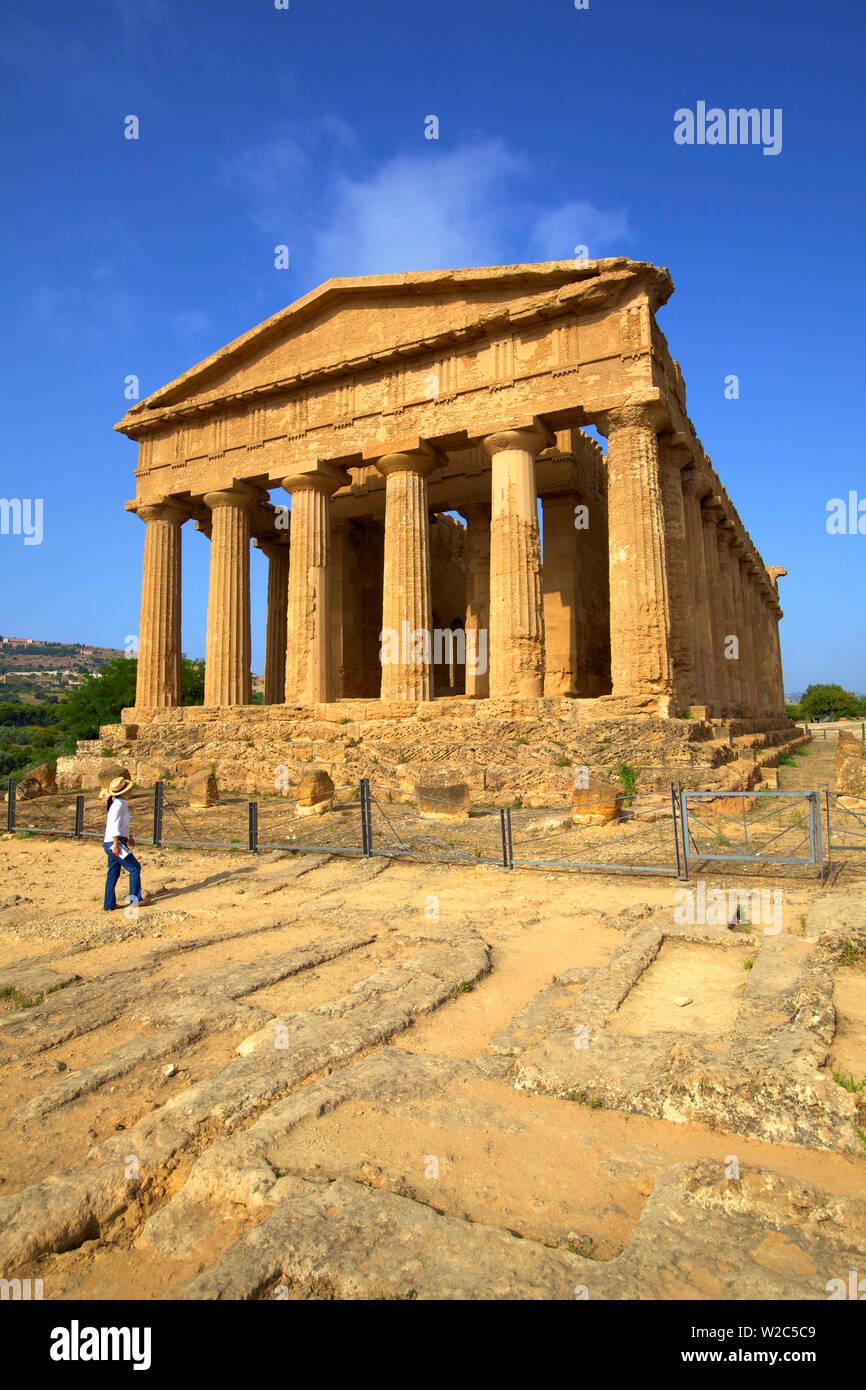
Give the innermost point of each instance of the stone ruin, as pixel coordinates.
(416, 421)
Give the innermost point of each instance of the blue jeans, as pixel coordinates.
(115, 864)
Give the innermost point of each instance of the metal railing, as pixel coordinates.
(663, 833)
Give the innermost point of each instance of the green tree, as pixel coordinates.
(191, 681)
(101, 697)
(831, 701)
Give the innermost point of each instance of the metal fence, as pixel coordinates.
(664, 833)
(841, 822)
(783, 828)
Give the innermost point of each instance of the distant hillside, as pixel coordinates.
(33, 670)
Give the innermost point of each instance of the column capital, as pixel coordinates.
(694, 482)
(272, 545)
(677, 448)
(712, 510)
(776, 572)
(238, 495)
(529, 434)
(474, 511)
(425, 459)
(320, 476)
(645, 415)
(163, 509)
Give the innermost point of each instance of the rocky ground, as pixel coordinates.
(300, 1075)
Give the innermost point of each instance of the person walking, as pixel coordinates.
(117, 843)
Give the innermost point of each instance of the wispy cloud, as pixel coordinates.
(190, 323)
(559, 231)
(472, 205)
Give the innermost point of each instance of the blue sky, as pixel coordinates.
(306, 126)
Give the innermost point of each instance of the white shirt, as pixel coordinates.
(117, 820)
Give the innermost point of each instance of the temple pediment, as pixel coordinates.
(365, 324)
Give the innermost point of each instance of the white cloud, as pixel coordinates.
(558, 231)
(434, 209)
(189, 323)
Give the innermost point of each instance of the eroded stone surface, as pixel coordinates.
(282, 1089)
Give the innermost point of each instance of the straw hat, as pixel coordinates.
(116, 787)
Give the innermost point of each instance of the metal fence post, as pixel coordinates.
(504, 836)
(676, 830)
(254, 827)
(10, 805)
(508, 835)
(863, 733)
(829, 835)
(157, 814)
(684, 826)
(79, 815)
(366, 818)
(819, 842)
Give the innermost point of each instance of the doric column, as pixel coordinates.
(516, 611)
(694, 488)
(227, 657)
(477, 555)
(681, 582)
(732, 620)
(765, 619)
(711, 515)
(750, 664)
(277, 552)
(407, 605)
(158, 677)
(777, 678)
(640, 628)
(308, 643)
(563, 626)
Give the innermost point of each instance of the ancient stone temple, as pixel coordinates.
(386, 442)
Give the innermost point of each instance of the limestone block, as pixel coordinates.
(315, 791)
(40, 781)
(188, 767)
(108, 770)
(68, 774)
(202, 789)
(148, 773)
(442, 793)
(850, 765)
(596, 804)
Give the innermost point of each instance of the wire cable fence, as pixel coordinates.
(663, 832)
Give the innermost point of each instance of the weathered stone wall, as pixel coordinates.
(529, 747)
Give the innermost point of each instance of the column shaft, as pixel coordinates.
(710, 516)
(516, 611)
(564, 657)
(275, 625)
(308, 655)
(407, 609)
(707, 692)
(227, 659)
(640, 629)
(731, 623)
(681, 587)
(158, 681)
(477, 599)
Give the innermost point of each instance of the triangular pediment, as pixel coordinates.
(352, 325)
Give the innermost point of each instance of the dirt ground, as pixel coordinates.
(418, 1129)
